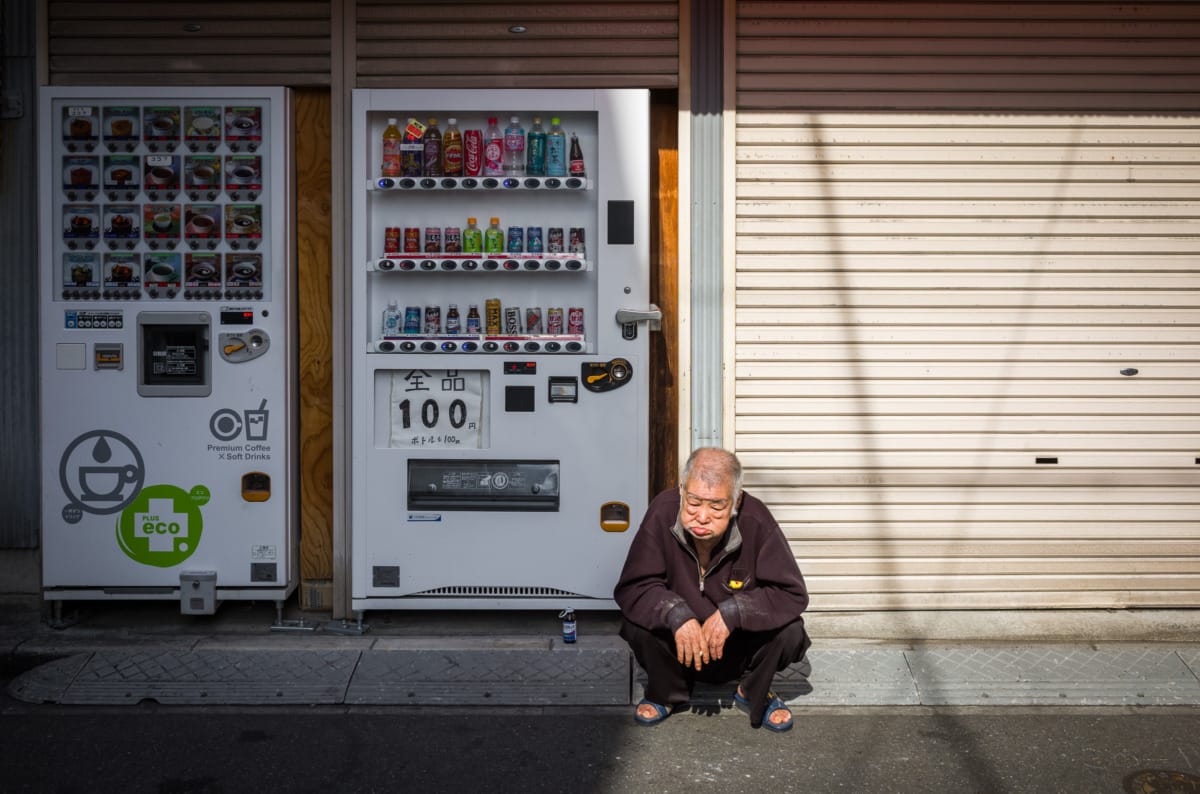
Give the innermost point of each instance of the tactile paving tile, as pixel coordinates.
(854, 677)
(859, 677)
(1051, 675)
(1191, 657)
(213, 677)
(493, 676)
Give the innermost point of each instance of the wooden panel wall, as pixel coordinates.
(664, 289)
(468, 44)
(967, 359)
(215, 42)
(314, 185)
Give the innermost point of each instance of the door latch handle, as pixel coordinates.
(653, 315)
(628, 319)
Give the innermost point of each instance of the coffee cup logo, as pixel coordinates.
(100, 472)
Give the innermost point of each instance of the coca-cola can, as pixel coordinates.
(391, 240)
(554, 240)
(452, 240)
(533, 321)
(412, 240)
(433, 240)
(575, 320)
(472, 152)
(554, 320)
(512, 320)
(433, 320)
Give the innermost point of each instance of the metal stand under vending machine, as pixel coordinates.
(499, 326)
(167, 395)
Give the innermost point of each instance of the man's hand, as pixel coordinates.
(690, 647)
(715, 633)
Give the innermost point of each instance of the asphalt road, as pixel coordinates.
(151, 748)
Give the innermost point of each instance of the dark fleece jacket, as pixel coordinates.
(752, 577)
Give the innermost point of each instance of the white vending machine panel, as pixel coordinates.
(167, 394)
(499, 434)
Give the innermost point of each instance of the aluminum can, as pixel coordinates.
(491, 314)
(578, 246)
(554, 240)
(516, 239)
(533, 240)
(554, 320)
(412, 319)
(433, 240)
(433, 320)
(575, 320)
(391, 240)
(472, 152)
(533, 321)
(412, 240)
(452, 240)
(512, 320)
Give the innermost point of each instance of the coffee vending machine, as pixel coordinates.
(168, 401)
(500, 396)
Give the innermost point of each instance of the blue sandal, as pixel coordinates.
(774, 704)
(662, 713)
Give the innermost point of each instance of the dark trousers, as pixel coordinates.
(751, 658)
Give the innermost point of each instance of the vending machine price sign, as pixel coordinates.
(437, 408)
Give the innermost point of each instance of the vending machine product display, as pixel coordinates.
(167, 396)
(499, 324)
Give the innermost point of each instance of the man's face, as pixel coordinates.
(705, 510)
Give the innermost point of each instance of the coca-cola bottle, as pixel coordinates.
(576, 162)
(452, 149)
(432, 141)
(493, 149)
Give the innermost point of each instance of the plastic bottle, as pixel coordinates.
(473, 326)
(493, 238)
(412, 150)
(556, 150)
(452, 149)
(472, 238)
(493, 149)
(432, 141)
(453, 322)
(391, 319)
(576, 161)
(390, 162)
(514, 147)
(535, 149)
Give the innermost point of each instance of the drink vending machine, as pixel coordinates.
(499, 355)
(167, 345)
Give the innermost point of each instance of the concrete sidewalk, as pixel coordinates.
(125, 655)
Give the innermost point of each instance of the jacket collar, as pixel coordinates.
(731, 542)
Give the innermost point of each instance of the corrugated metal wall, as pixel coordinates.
(612, 44)
(960, 228)
(20, 480)
(215, 42)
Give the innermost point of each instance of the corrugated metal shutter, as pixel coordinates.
(215, 42)
(566, 43)
(960, 230)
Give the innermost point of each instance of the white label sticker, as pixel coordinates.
(437, 408)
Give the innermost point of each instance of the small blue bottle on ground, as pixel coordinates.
(568, 625)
